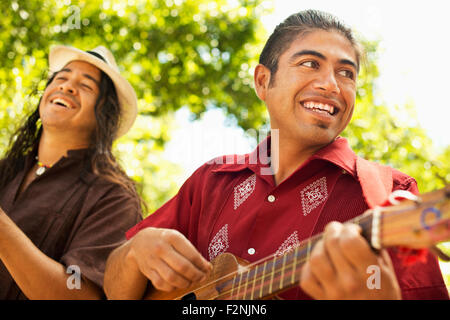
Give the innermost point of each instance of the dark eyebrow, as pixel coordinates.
(321, 56)
(349, 62)
(84, 74)
(307, 53)
(92, 78)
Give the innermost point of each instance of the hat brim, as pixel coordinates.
(60, 56)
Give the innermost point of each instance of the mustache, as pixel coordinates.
(323, 96)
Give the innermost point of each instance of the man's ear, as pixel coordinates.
(262, 80)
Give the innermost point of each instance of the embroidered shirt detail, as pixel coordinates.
(219, 243)
(314, 195)
(243, 190)
(289, 244)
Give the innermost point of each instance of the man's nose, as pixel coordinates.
(326, 81)
(68, 87)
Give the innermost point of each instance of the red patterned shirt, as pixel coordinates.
(230, 205)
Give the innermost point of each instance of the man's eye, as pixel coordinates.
(86, 86)
(310, 64)
(347, 73)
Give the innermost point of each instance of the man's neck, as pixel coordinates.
(288, 156)
(53, 147)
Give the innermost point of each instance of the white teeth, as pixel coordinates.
(61, 101)
(320, 106)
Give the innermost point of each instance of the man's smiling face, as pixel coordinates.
(312, 95)
(68, 102)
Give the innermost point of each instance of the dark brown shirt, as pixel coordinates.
(70, 214)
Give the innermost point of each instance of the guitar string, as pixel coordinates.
(264, 283)
(291, 268)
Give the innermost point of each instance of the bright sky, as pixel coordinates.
(414, 64)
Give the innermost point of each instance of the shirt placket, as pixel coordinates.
(267, 207)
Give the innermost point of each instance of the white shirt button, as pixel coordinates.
(251, 251)
(271, 198)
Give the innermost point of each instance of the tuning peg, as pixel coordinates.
(438, 252)
(402, 194)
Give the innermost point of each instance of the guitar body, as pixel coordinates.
(224, 266)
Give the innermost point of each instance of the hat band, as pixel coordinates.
(96, 55)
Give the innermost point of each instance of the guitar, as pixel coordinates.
(415, 223)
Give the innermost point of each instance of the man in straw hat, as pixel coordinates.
(65, 203)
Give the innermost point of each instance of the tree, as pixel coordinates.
(175, 53)
(196, 54)
(392, 135)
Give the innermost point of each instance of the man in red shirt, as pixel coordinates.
(253, 208)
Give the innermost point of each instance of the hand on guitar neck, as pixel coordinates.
(337, 267)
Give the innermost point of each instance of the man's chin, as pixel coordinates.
(319, 138)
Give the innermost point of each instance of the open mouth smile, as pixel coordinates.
(62, 102)
(321, 108)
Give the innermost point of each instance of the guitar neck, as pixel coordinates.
(277, 273)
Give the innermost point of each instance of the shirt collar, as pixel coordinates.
(75, 155)
(338, 152)
(239, 162)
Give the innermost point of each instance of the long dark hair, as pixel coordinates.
(102, 161)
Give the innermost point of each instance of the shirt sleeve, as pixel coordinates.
(101, 230)
(422, 279)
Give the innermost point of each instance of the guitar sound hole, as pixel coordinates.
(189, 296)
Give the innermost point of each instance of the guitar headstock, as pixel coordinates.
(419, 223)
